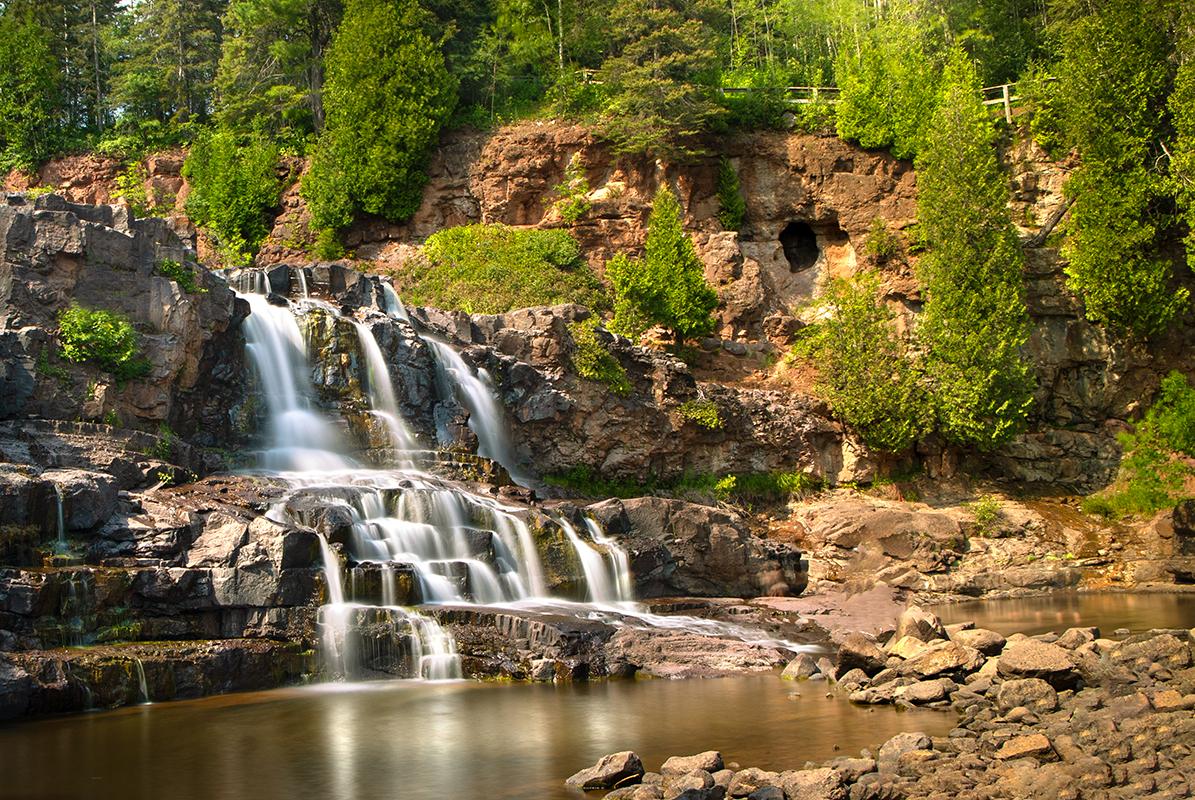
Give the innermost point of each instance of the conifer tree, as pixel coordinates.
(667, 286)
(975, 324)
(29, 93)
(387, 94)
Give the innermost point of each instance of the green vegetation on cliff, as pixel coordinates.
(387, 94)
(101, 337)
(667, 287)
(490, 269)
(29, 89)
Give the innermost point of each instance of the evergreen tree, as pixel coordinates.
(271, 70)
(888, 87)
(975, 323)
(1114, 78)
(387, 94)
(661, 82)
(167, 52)
(667, 286)
(29, 93)
(1182, 110)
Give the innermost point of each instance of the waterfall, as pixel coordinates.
(302, 281)
(301, 440)
(61, 543)
(381, 391)
(601, 583)
(621, 564)
(476, 392)
(141, 682)
(394, 306)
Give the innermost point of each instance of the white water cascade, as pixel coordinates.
(476, 392)
(60, 518)
(409, 537)
(381, 392)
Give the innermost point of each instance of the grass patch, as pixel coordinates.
(491, 269)
(740, 489)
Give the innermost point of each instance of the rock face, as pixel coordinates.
(54, 253)
(611, 771)
(680, 548)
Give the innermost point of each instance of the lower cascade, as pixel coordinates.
(411, 539)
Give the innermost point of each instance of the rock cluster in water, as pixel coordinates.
(1055, 717)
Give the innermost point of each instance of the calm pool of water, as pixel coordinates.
(1107, 611)
(410, 741)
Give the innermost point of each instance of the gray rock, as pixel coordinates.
(799, 668)
(924, 692)
(767, 793)
(919, 624)
(823, 783)
(750, 780)
(609, 772)
(1031, 659)
(826, 668)
(710, 761)
(1073, 638)
(987, 642)
(852, 769)
(859, 652)
(943, 658)
(1032, 693)
(898, 745)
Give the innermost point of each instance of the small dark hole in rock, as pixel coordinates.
(800, 246)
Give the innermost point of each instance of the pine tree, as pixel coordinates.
(29, 93)
(975, 324)
(167, 53)
(1113, 81)
(387, 94)
(271, 70)
(667, 286)
(1182, 110)
(662, 81)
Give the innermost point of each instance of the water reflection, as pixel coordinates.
(1135, 611)
(411, 741)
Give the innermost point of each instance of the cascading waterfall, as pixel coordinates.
(414, 538)
(61, 543)
(476, 392)
(381, 392)
(142, 684)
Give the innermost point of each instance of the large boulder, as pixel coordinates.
(1032, 659)
(750, 780)
(1031, 693)
(680, 548)
(987, 642)
(710, 761)
(613, 770)
(897, 746)
(859, 652)
(943, 658)
(813, 784)
(919, 624)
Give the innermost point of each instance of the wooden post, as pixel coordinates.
(1006, 92)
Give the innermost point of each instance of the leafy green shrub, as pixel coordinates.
(327, 246)
(765, 487)
(182, 274)
(703, 412)
(103, 338)
(864, 370)
(881, 245)
(986, 512)
(234, 185)
(491, 269)
(573, 191)
(1039, 96)
(387, 94)
(667, 287)
(130, 186)
(1151, 476)
(163, 448)
(592, 360)
(732, 208)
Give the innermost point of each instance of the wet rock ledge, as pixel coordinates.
(1054, 717)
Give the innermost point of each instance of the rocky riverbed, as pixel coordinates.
(1070, 714)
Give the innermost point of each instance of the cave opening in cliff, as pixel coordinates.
(800, 246)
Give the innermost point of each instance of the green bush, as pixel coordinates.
(732, 208)
(130, 186)
(1151, 475)
(593, 361)
(491, 269)
(234, 186)
(387, 94)
(881, 245)
(702, 412)
(986, 512)
(573, 191)
(182, 274)
(103, 338)
(864, 370)
(667, 287)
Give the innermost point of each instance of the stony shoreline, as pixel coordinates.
(1069, 715)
